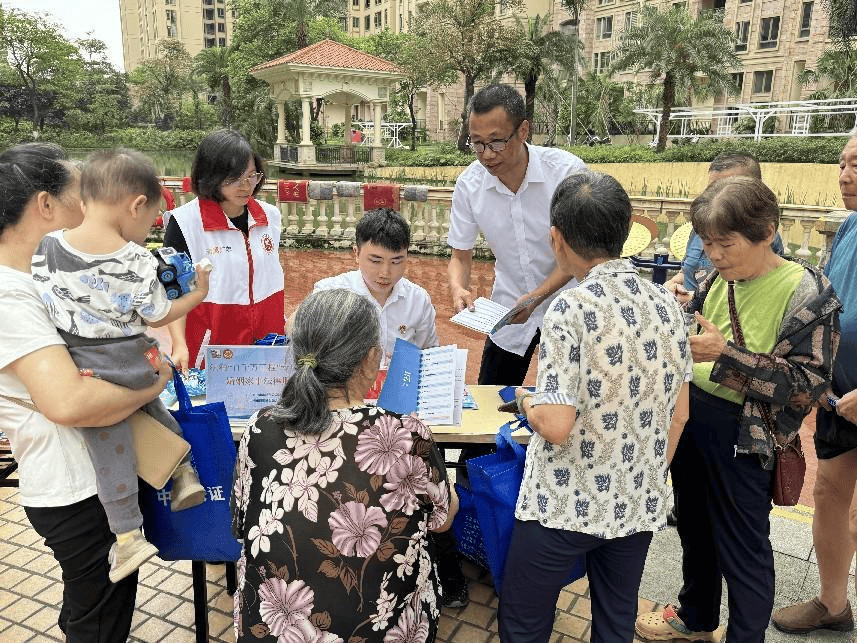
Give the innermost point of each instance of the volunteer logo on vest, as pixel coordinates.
(267, 243)
(402, 329)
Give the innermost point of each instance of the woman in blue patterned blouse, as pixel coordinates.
(610, 402)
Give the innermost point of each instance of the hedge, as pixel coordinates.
(144, 139)
(786, 149)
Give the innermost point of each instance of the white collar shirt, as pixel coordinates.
(408, 312)
(516, 226)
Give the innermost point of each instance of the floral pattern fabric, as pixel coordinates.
(334, 530)
(615, 348)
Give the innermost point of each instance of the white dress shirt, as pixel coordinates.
(516, 227)
(408, 312)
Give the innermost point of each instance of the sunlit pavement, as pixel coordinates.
(31, 591)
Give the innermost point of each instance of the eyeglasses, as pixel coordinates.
(494, 146)
(250, 179)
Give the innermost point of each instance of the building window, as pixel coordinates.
(604, 27)
(680, 5)
(210, 42)
(762, 81)
(367, 23)
(221, 13)
(367, 4)
(504, 6)
(355, 22)
(171, 17)
(630, 19)
(385, 17)
(601, 3)
(209, 14)
(805, 19)
(769, 33)
(742, 35)
(738, 80)
(401, 20)
(170, 2)
(172, 32)
(378, 19)
(221, 42)
(221, 27)
(744, 1)
(600, 61)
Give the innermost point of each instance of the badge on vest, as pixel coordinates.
(267, 243)
(403, 329)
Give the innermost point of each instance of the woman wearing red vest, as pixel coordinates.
(240, 236)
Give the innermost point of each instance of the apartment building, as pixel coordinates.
(776, 40)
(199, 24)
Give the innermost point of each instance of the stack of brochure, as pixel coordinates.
(427, 381)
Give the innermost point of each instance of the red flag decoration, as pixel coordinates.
(380, 195)
(292, 191)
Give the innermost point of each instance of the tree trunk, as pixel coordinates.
(227, 107)
(530, 101)
(668, 99)
(464, 134)
(413, 122)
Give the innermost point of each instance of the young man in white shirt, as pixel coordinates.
(506, 194)
(382, 238)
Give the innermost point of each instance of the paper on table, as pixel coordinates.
(436, 398)
(460, 371)
(485, 315)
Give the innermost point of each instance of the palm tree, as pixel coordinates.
(213, 66)
(678, 50)
(303, 12)
(533, 54)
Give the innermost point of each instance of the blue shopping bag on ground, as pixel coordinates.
(495, 480)
(465, 527)
(202, 532)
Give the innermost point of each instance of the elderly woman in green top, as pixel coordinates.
(769, 333)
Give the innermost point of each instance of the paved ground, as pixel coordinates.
(31, 592)
(30, 589)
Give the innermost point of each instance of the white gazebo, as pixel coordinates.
(341, 75)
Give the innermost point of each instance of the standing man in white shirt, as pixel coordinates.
(506, 194)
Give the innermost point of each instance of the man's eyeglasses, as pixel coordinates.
(250, 179)
(494, 146)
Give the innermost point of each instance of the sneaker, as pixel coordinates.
(456, 596)
(667, 626)
(810, 616)
(186, 492)
(126, 559)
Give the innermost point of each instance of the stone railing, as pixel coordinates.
(808, 230)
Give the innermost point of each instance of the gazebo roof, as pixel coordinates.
(329, 53)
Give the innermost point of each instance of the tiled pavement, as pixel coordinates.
(31, 591)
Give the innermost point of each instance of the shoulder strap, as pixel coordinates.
(20, 402)
(738, 335)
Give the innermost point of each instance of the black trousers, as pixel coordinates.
(723, 501)
(502, 367)
(94, 610)
(537, 568)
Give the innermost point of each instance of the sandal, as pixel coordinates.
(667, 626)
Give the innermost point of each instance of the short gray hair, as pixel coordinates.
(332, 332)
(592, 211)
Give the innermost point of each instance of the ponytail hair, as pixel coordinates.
(26, 170)
(332, 332)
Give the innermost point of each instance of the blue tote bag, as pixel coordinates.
(202, 532)
(495, 480)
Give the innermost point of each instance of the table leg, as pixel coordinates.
(200, 601)
(231, 579)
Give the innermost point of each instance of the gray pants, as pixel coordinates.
(111, 449)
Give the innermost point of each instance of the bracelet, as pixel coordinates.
(519, 400)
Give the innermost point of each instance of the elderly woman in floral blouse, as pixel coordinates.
(610, 403)
(333, 499)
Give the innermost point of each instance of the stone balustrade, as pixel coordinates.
(807, 230)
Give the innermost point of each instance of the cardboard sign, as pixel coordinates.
(247, 378)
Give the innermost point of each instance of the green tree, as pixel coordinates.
(39, 55)
(534, 53)
(465, 36)
(212, 65)
(161, 82)
(677, 49)
(101, 98)
(408, 52)
(843, 22)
